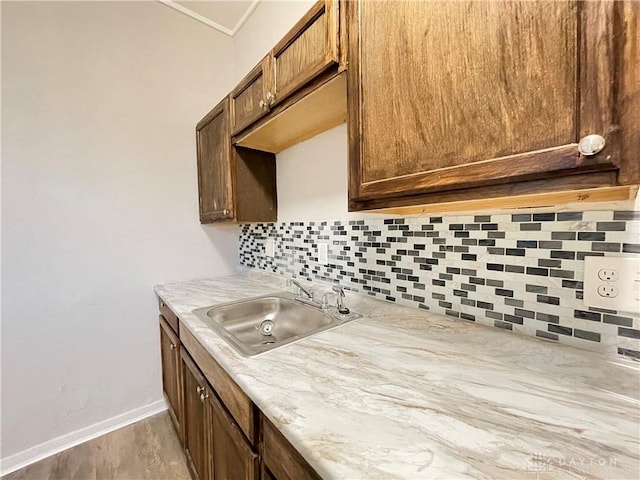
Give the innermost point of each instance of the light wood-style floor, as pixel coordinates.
(146, 450)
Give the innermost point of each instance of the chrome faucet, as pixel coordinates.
(306, 296)
(301, 290)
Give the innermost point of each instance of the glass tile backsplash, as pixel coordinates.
(519, 272)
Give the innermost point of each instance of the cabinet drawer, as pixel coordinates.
(280, 458)
(170, 317)
(235, 400)
(309, 48)
(249, 99)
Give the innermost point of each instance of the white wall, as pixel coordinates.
(312, 179)
(99, 202)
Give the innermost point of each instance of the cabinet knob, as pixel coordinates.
(203, 397)
(591, 144)
(225, 212)
(173, 346)
(199, 389)
(262, 103)
(271, 98)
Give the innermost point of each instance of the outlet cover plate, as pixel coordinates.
(323, 253)
(270, 248)
(627, 283)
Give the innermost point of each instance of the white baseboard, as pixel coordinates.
(34, 454)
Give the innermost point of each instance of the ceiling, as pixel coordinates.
(226, 16)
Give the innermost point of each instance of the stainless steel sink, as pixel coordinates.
(261, 324)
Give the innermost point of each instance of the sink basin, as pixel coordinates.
(260, 324)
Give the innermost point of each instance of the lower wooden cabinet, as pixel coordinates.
(280, 460)
(233, 457)
(224, 435)
(171, 373)
(214, 444)
(196, 419)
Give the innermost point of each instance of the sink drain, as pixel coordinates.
(266, 327)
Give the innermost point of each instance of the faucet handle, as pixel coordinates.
(291, 283)
(324, 304)
(340, 300)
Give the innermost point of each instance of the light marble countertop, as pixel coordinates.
(407, 394)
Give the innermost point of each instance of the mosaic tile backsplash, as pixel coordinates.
(520, 272)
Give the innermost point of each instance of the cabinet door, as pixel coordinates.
(280, 460)
(171, 373)
(196, 420)
(215, 165)
(309, 48)
(448, 96)
(233, 458)
(251, 99)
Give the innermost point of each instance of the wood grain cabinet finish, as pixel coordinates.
(171, 373)
(309, 48)
(170, 317)
(251, 99)
(215, 180)
(461, 100)
(233, 457)
(234, 183)
(214, 442)
(302, 90)
(280, 460)
(196, 419)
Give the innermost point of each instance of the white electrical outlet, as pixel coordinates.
(323, 253)
(612, 282)
(608, 275)
(270, 248)
(608, 291)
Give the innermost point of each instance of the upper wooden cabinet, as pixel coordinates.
(303, 93)
(462, 100)
(215, 182)
(294, 93)
(251, 99)
(447, 101)
(309, 48)
(234, 184)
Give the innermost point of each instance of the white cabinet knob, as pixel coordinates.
(591, 144)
